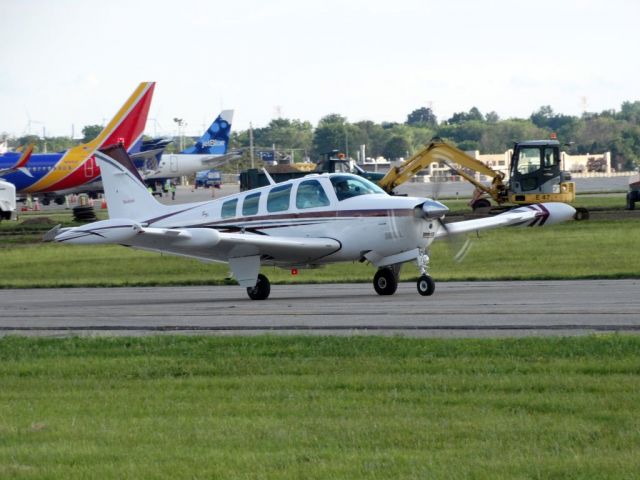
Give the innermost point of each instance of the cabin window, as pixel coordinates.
(529, 160)
(229, 208)
(348, 186)
(278, 199)
(250, 204)
(311, 194)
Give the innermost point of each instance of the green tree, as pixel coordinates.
(460, 117)
(423, 117)
(90, 132)
(396, 147)
(630, 111)
(492, 117)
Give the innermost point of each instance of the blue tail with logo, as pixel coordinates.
(216, 139)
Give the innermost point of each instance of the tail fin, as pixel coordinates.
(125, 192)
(216, 139)
(128, 124)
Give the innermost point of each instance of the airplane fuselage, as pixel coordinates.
(179, 164)
(54, 171)
(374, 222)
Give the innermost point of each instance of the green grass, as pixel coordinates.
(607, 201)
(592, 249)
(320, 407)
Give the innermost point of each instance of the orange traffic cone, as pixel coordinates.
(103, 205)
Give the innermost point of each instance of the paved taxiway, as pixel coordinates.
(467, 309)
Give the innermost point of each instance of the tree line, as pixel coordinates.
(609, 130)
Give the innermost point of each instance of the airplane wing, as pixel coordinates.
(208, 244)
(218, 160)
(202, 243)
(146, 155)
(528, 216)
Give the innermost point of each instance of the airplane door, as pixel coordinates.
(173, 163)
(89, 168)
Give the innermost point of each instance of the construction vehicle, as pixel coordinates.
(333, 162)
(633, 195)
(535, 174)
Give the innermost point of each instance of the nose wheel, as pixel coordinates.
(261, 290)
(426, 286)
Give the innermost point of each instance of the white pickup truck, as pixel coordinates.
(7, 200)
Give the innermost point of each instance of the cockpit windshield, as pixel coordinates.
(347, 186)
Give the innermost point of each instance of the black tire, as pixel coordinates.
(385, 282)
(426, 286)
(481, 205)
(631, 200)
(581, 214)
(262, 289)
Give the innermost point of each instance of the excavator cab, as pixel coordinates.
(536, 174)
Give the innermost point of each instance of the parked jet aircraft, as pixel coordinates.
(51, 172)
(305, 222)
(208, 152)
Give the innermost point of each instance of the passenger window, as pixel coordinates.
(278, 199)
(229, 208)
(311, 194)
(250, 204)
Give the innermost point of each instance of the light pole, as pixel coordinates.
(180, 123)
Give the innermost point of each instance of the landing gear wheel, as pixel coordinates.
(261, 290)
(385, 282)
(581, 214)
(426, 286)
(481, 205)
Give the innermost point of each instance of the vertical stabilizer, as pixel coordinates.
(124, 190)
(216, 139)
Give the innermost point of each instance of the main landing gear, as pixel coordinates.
(262, 289)
(385, 281)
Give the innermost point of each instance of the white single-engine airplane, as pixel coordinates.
(305, 222)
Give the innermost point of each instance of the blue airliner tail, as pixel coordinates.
(216, 139)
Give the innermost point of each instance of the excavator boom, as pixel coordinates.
(439, 151)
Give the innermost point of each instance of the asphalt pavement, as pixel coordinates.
(460, 309)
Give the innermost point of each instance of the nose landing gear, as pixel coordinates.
(426, 285)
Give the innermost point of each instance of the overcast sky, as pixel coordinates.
(69, 62)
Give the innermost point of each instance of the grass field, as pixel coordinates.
(320, 407)
(593, 249)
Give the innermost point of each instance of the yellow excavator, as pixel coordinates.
(535, 174)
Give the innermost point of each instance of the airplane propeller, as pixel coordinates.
(435, 211)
